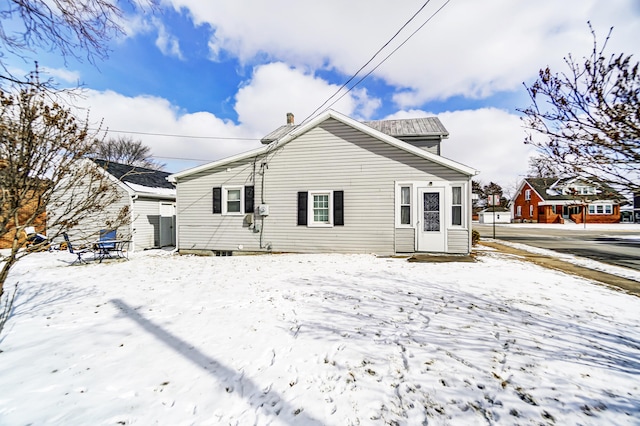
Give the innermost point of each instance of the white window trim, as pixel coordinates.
(527, 194)
(398, 214)
(310, 222)
(531, 212)
(225, 191)
(518, 211)
(462, 208)
(604, 209)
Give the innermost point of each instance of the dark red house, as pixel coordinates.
(553, 200)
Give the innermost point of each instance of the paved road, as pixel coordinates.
(616, 247)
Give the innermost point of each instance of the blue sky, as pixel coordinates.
(229, 71)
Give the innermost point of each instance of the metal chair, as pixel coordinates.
(78, 253)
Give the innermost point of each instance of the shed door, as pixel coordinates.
(431, 229)
(167, 224)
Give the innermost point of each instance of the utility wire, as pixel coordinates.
(381, 62)
(179, 136)
(369, 61)
(389, 55)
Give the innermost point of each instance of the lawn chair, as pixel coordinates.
(107, 245)
(107, 239)
(78, 253)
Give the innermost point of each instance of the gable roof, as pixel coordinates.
(286, 134)
(138, 179)
(425, 127)
(410, 128)
(542, 185)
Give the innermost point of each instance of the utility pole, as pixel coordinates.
(492, 199)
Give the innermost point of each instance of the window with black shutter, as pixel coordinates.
(217, 200)
(338, 208)
(303, 198)
(248, 199)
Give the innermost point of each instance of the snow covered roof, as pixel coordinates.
(139, 179)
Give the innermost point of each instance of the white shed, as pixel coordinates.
(502, 215)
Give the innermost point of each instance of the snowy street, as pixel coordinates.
(315, 339)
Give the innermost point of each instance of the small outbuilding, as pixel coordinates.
(495, 215)
(149, 198)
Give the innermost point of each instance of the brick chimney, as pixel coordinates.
(290, 119)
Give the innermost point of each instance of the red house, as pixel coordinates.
(553, 200)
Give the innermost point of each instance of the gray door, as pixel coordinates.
(167, 224)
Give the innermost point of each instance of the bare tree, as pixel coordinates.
(589, 117)
(43, 168)
(125, 150)
(74, 28)
(544, 167)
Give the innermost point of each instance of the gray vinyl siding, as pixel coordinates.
(430, 145)
(146, 222)
(331, 156)
(88, 229)
(405, 240)
(458, 240)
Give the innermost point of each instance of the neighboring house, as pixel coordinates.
(332, 184)
(553, 200)
(150, 199)
(496, 214)
(6, 241)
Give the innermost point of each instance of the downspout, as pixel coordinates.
(134, 197)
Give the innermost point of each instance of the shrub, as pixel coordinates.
(475, 237)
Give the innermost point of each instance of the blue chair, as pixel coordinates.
(109, 236)
(78, 253)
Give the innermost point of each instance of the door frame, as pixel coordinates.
(431, 241)
(167, 220)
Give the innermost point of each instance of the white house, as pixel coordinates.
(332, 184)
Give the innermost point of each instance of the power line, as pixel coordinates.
(179, 136)
(390, 54)
(369, 61)
(381, 62)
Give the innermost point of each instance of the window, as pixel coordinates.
(530, 211)
(600, 209)
(233, 200)
(405, 205)
(321, 208)
(456, 206)
(527, 195)
(519, 211)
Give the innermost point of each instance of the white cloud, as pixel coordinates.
(488, 139)
(471, 48)
(275, 89)
(148, 114)
(62, 74)
(167, 43)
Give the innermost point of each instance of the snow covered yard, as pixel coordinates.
(315, 339)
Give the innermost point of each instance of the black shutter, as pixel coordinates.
(338, 208)
(248, 199)
(217, 200)
(302, 208)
